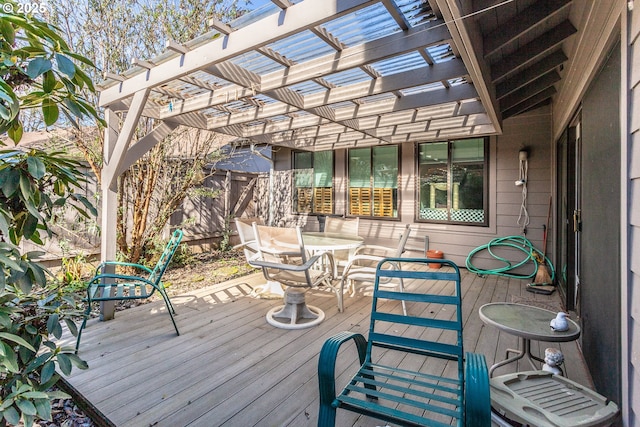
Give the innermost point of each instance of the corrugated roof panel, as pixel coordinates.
(416, 11)
(399, 64)
(339, 105)
(257, 63)
(377, 98)
(214, 112)
(457, 81)
(238, 106)
(264, 98)
(441, 52)
(307, 88)
(348, 77)
(301, 47)
(364, 25)
(214, 81)
(421, 89)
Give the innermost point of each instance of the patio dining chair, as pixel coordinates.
(283, 259)
(341, 225)
(361, 267)
(249, 247)
(114, 286)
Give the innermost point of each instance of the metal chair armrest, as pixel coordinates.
(327, 363)
(293, 267)
(375, 248)
(477, 400)
(104, 264)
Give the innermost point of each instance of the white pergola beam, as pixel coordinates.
(112, 163)
(418, 77)
(143, 145)
(466, 34)
(367, 53)
(307, 14)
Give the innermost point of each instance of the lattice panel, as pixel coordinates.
(360, 201)
(383, 202)
(468, 215)
(323, 200)
(462, 215)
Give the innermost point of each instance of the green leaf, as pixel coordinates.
(26, 407)
(7, 31)
(38, 66)
(36, 167)
(10, 359)
(43, 406)
(65, 65)
(48, 81)
(79, 363)
(50, 111)
(35, 395)
(47, 372)
(29, 227)
(25, 187)
(37, 362)
(15, 131)
(10, 101)
(12, 416)
(16, 339)
(80, 58)
(11, 184)
(74, 107)
(53, 326)
(71, 325)
(64, 363)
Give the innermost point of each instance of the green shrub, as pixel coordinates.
(32, 185)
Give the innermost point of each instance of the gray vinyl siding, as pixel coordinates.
(531, 130)
(633, 195)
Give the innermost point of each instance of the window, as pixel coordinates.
(453, 181)
(373, 181)
(313, 182)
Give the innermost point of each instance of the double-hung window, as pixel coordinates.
(453, 181)
(373, 181)
(313, 182)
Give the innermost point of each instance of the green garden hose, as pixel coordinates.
(516, 242)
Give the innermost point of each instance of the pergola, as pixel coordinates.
(328, 74)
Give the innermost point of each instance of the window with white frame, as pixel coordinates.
(313, 182)
(453, 181)
(373, 181)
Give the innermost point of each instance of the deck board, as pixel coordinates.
(230, 368)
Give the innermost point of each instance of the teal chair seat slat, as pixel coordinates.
(417, 321)
(412, 297)
(107, 285)
(413, 368)
(414, 345)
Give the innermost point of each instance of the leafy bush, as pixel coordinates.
(32, 185)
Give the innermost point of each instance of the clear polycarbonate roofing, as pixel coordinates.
(328, 83)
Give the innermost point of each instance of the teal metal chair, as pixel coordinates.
(109, 286)
(413, 369)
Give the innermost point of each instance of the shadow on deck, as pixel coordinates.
(230, 368)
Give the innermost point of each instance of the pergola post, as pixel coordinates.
(109, 207)
(116, 145)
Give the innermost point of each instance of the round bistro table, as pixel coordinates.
(528, 323)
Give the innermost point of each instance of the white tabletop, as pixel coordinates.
(527, 322)
(319, 241)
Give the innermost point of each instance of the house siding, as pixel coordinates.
(531, 131)
(632, 299)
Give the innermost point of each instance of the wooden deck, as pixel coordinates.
(230, 368)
